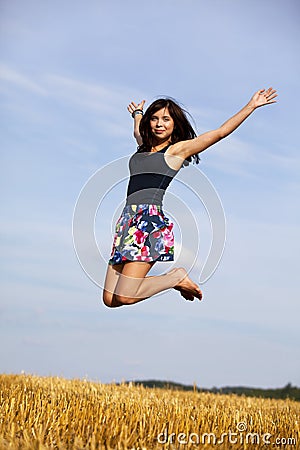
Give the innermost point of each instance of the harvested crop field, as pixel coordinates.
(55, 413)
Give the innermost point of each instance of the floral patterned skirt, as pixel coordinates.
(143, 233)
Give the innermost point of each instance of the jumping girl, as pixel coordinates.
(143, 233)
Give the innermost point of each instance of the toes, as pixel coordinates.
(187, 296)
(199, 295)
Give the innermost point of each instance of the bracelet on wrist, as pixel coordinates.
(137, 111)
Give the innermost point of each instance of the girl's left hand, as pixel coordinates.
(263, 97)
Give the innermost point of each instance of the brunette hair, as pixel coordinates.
(183, 130)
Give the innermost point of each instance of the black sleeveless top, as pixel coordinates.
(150, 176)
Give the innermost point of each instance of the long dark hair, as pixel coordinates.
(183, 130)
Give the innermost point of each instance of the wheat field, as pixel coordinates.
(55, 413)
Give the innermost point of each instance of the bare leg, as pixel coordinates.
(122, 285)
(112, 277)
(130, 284)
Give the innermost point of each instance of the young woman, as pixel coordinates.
(144, 234)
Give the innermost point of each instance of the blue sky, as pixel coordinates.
(68, 70)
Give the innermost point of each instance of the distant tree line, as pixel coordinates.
(288, 391)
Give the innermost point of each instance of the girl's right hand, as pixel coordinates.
(133, 106)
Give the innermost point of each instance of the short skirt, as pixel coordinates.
(142, 233)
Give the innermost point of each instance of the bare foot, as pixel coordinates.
(186, 286)
(185, 294)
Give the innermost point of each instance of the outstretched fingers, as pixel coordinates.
(269, 95)
(133, 106)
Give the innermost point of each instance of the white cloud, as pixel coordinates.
(103, 98)
(9, 75)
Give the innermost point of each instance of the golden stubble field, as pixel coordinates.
(54, 413)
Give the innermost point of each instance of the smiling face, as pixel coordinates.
(164, 122)
(162, 125)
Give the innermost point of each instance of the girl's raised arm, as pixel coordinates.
(136, 110)
(191, 147)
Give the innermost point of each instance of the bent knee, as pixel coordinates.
(112, 300)
(107, 298)
(124, 300)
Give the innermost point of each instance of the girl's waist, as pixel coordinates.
(143, 207)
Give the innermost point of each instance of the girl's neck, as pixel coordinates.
(158, 147)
